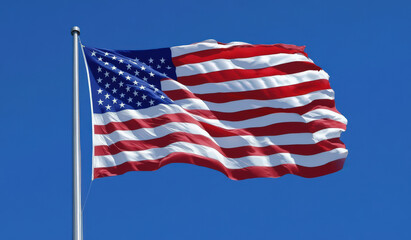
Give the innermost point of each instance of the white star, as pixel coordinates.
(129, 99)
(121, 84)
(144, 78)
(99, 80)
(99, 69)
(122, 105)
(100, 102)
(113, 79)
(113, 68)
(144, 97)
(106, 74)
(150, 60)
(106, 53)
(143, 68)
(135, 82)
(142, 88)
(114, 101)
(162, 97)
(158, 66)
(151, 74)
(162, 60)
(122, 95)
(155, 89)
(100, 59)
(139, 104)
(133, 62)
(114, 58)
(114, 90)
(93, 53)
(100, 91)
(106, 63)
(120, 73)
(168, 67)
(128, 77)
(108, 107)
(128, 67)
(137, 59)
(128, 88)
(151, 102)
(151, 85)
(136, 72)
(121, 61)
(107, 96)
(107, 85)
(135, 93)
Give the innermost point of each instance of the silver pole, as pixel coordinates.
(77, 217)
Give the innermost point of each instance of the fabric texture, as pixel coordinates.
(245, 110)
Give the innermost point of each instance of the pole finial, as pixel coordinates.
(75, 29)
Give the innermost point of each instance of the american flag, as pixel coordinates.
(245, 110)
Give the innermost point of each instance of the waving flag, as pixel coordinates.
(245, 110)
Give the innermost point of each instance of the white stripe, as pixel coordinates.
(149, 133)
(239, 105)
(231, 163)
(226, 142)
(266, 120)
(128, 114)
(274, 118)
(322, 114)
(243, 85)
(257, 62)
(279, 140)
(204, 45)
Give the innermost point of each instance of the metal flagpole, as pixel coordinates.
(77, 216)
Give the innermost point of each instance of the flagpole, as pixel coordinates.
(77, 216)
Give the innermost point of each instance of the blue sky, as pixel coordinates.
(363, 45)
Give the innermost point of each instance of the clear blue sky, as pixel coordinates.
(363, 45)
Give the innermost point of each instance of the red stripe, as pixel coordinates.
(300, 149)
(242, 51)
(270, 130)
(237, 152)
(275, 129)
(235, 74)
(259, 112)
(135, 124)
(235, 174)
(260, 94)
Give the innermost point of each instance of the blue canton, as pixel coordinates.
(128, 79)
